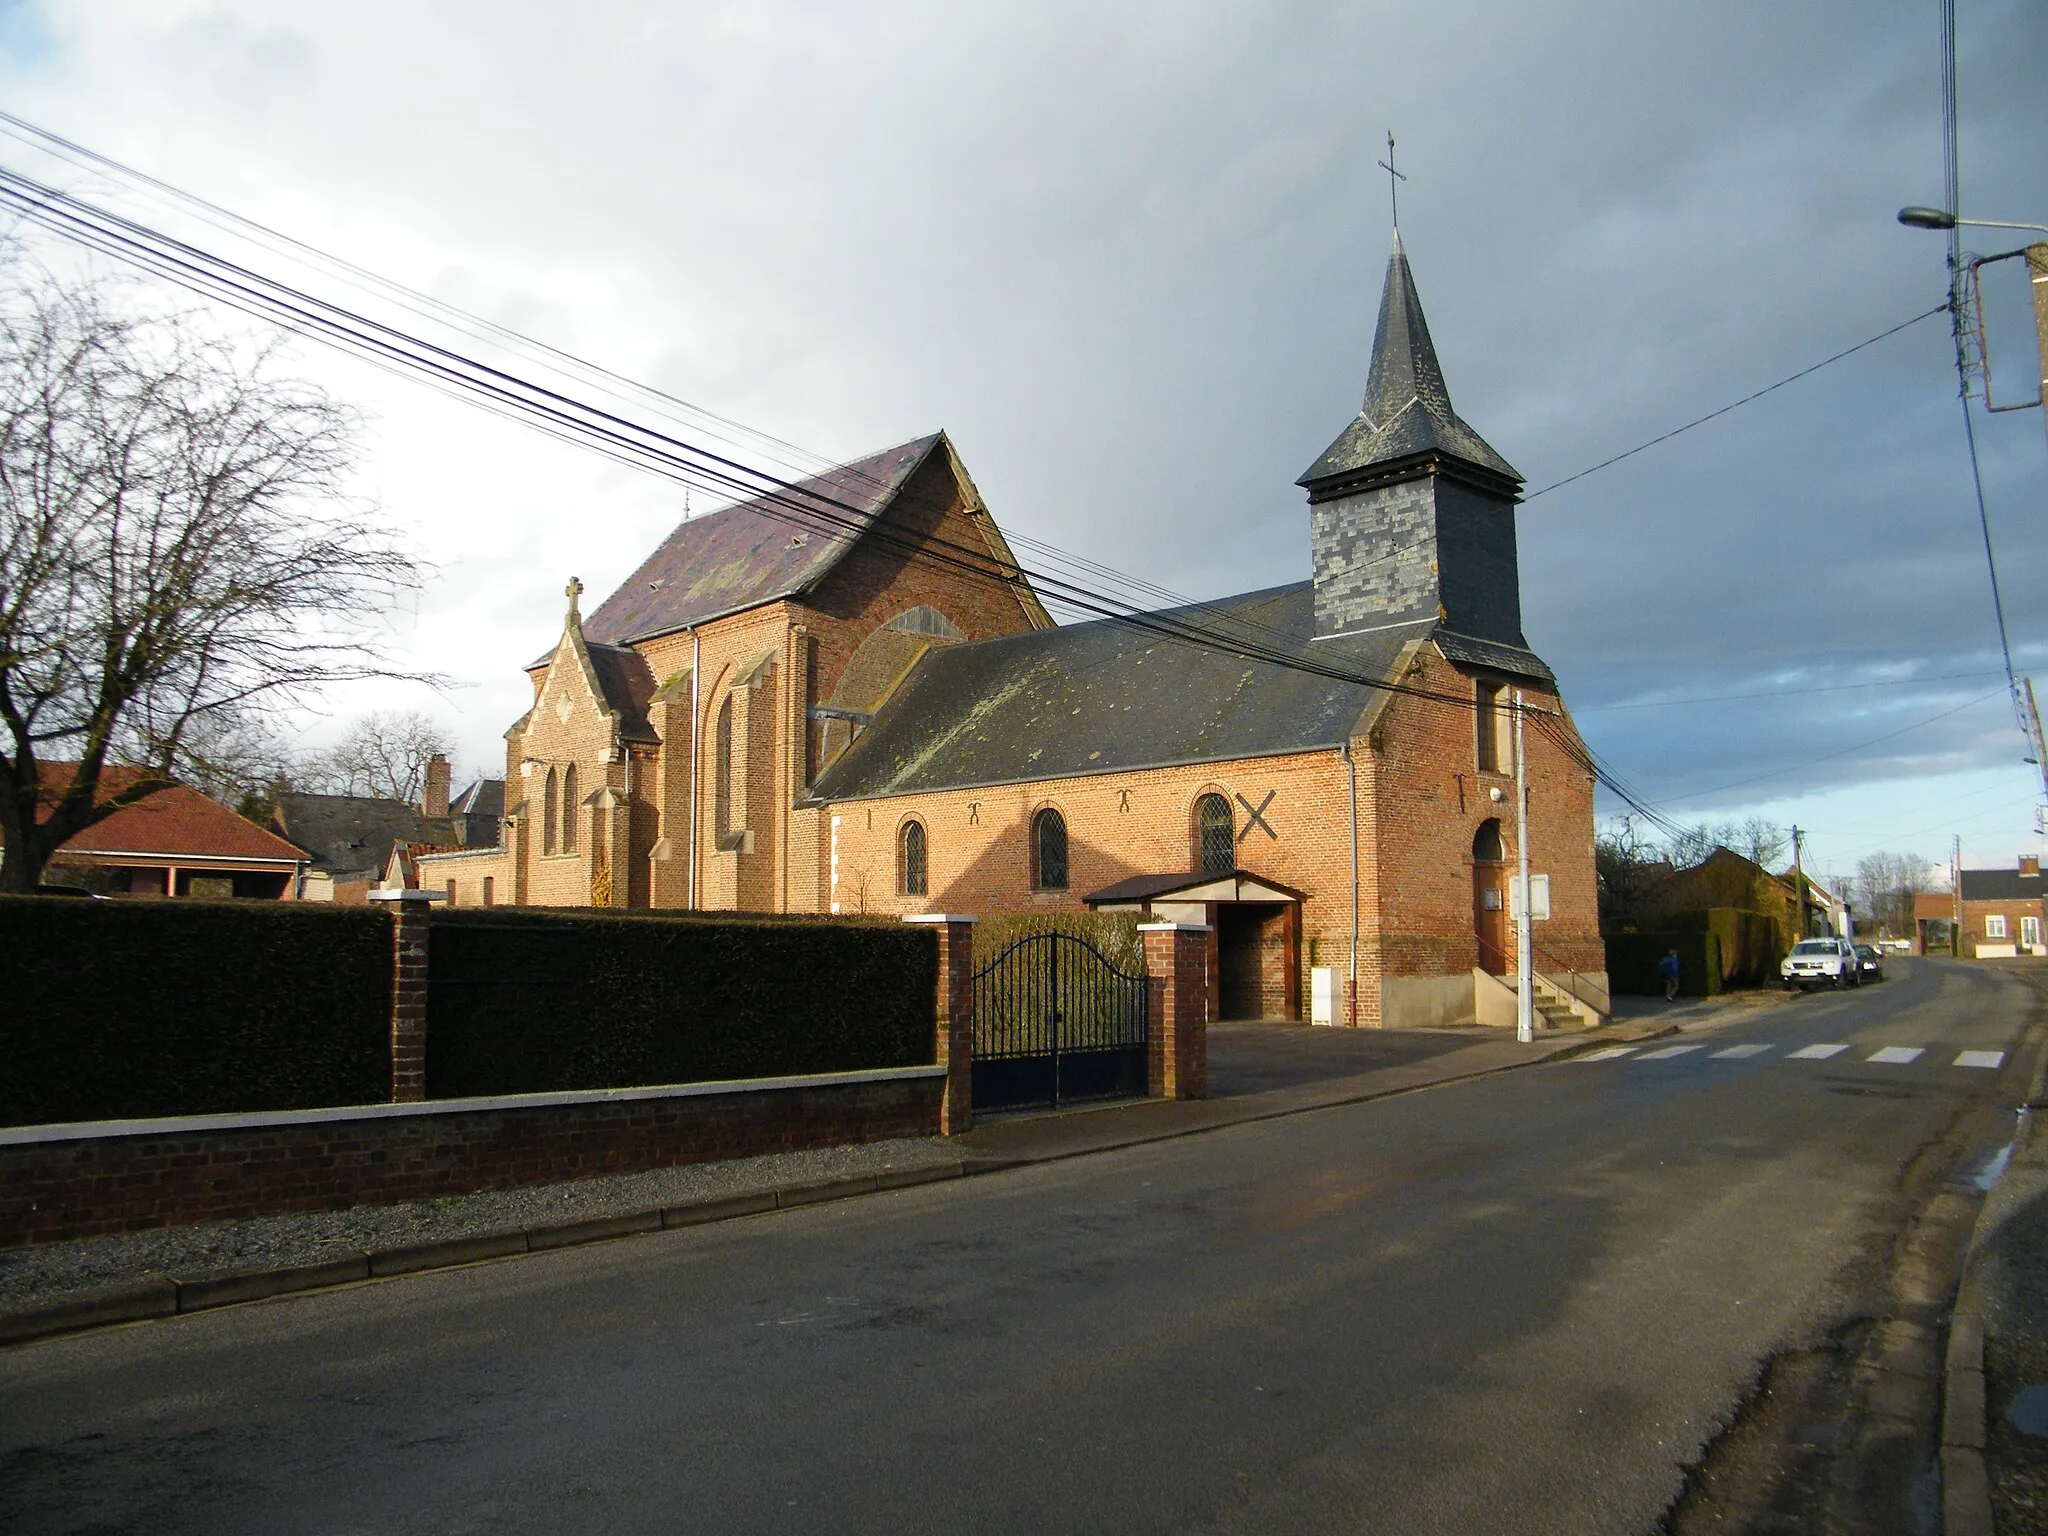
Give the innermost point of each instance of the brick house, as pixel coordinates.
(2002, 912)
(779, 713)
(353, 838)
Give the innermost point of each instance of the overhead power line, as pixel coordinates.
(1700, 421)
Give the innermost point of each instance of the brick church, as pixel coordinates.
(847, 698)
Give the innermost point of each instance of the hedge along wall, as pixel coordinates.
(1114, 933)
(1632, 963)
(523, 1000)
(1752, 943)
(116, 1010)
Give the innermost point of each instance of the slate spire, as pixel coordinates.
(1407, 415)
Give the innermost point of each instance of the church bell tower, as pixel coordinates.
(1411, 513)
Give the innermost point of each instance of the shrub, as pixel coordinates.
(120, 1010)
(522, 1000)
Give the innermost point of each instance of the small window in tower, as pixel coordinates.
(914, 874)
(1490, 736)
(1049, 851)
(1215, 836)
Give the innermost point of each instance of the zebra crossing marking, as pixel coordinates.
(1991, 1060)
(1610, 1053)
(1886, 1056)
(1668, 1052)
(1817, 1052)
(1741, 1052)
(1896, 1055)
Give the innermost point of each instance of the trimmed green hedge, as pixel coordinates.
(524, 1000)
(115, 1010)
(1114, 933)
(1752, 944)
(1632, 963)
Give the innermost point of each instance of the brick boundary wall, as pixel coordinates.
(69, 1181)
(955, 1007)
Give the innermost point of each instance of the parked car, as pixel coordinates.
(1869, 964)
(1817, 962)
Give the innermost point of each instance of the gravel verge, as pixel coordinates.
(72, 1271)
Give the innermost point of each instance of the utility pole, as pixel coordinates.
(2037, 270)
(1955, 899)
(1798, 890)
(2034, 727)
(1525, 957)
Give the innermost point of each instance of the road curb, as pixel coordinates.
(1965, 1475)
(156, 1299)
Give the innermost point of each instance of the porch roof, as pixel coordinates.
(1236, 885)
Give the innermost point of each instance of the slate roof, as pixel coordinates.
(1407, 411)
(2001, 885)
(486, 797)
(1100, 697)
(747, 553)
(351, 834)
(628, 684)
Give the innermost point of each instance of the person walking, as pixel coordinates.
(1668, 969)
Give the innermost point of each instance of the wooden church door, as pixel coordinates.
(1489, 898)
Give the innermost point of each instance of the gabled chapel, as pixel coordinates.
(846, 697)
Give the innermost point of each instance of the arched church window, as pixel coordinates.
(721, 776)
(1215, 836)
(1486, 844)
(550, 811)
(912, 868)
(1049, 851)
(569, 809)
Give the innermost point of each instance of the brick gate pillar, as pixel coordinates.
(1177, 1034)
(955, 1017)
(409, 990)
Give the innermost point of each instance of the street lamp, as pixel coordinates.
(1939, 218)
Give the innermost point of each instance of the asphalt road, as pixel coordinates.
(1522, 1303)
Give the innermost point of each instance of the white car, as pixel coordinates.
(1818, 962)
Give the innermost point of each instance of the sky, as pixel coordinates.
(1129, 257)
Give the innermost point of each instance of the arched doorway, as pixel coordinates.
(1489, 898)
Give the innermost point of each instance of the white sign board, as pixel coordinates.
(1539, 898)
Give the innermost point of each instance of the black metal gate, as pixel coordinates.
(1055, 1021)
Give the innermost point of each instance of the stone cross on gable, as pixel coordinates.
(573, 591)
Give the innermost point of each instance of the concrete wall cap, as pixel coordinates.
(182, 1125)
(1173, 927)
(938, 917)
(408, 895)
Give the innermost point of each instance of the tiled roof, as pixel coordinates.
(754, 551)
(1096, 698)
(177, 820)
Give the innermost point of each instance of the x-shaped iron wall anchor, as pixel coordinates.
(1258, 816)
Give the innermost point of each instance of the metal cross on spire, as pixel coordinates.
(1393, 176)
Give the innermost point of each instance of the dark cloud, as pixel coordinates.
(1130, 258)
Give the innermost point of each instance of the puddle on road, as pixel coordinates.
(2028, 1410)
(1987, 1173)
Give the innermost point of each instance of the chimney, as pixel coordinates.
(2030, 864)
(434, 799)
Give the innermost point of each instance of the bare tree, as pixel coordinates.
(1884, 885)
(384, 753)
(1763, 842)
(175, 547)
